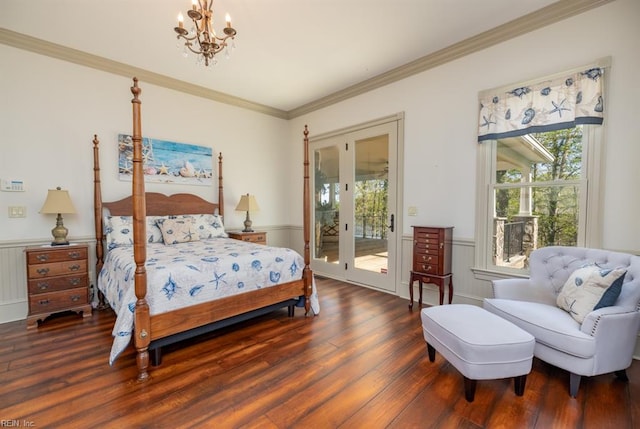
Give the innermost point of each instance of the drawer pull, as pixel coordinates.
(74, 255)
(75, 298)
(42, 258)
(43, 271)
(75, 267)
(247, 239)
(74, 281)
(426, 267)
(43, 286)
(43, 302)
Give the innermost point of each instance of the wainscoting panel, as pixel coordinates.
(13, 277)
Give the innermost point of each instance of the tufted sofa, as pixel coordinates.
(603, 343)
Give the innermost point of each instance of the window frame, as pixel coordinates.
(590, 225)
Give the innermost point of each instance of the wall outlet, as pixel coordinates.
(17, 211)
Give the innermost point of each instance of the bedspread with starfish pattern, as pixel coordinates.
(185, 274)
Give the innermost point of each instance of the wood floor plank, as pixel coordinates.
(361, 362)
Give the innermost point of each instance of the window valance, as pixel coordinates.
(562, 102)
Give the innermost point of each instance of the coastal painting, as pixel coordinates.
(167, 162)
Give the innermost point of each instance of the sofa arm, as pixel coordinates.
(521, 290)
(615, 330)
(592, 320)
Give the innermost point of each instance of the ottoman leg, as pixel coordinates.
(432, 352)
(518, 383)
(469, 389)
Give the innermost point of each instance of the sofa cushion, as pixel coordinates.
(584, 289)
(550, 325)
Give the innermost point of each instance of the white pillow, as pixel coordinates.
(119, 231)
(209, 226)
(584, 289)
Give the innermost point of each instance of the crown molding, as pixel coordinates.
(553, 13)
(43, 47)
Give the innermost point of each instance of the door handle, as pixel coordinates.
(392, 222)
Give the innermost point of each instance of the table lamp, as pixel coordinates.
(58, 202)
(247, 203)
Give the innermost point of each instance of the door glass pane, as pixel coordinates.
(370, 204)
(327, 204)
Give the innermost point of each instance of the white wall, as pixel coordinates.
(441, 120)
(50, 110)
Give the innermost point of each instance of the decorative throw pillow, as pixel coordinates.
(611, 294)
(178, 230)
(209, 226)
(119, 231)
(584, 289)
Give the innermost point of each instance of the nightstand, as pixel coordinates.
(57, 280)
(253, 237)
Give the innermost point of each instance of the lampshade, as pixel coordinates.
(247, 203)
(58, 201)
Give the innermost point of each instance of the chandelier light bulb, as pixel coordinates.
(180, 20)
(227, 18)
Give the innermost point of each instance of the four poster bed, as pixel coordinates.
(219, 281)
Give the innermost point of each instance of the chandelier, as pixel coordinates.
(202, 40)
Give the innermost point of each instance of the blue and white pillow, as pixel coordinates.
(119, 230)
(584, 290)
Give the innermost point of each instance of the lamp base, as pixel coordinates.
(247, 224)
(59, 233)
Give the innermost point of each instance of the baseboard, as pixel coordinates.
(12, 311)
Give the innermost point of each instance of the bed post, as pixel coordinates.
(97, 213)
(142, 321)
(306, 272)
(97, 204)
(220, 190)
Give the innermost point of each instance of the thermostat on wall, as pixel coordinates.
(12, 185)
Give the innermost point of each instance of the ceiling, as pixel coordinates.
(290, 53)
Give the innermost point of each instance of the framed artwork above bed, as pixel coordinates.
(167, 162)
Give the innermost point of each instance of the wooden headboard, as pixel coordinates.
(163, 205)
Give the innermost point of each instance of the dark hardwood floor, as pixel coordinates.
(361, 363)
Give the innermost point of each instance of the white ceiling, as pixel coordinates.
(289, 52)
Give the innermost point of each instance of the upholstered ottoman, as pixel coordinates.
(479, 344)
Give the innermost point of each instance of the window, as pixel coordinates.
(538, 185)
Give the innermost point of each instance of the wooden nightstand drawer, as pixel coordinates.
(49, 255)
(57, 269)
(253, 237)
(61, 300)
(57, 283)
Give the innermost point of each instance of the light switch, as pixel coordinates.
(412, 211)
(17, 211)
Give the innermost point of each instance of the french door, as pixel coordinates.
(355, 218)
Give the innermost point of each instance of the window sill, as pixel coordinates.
(492, 274)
